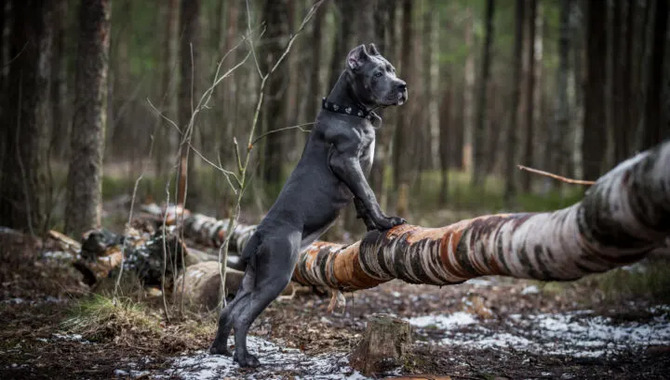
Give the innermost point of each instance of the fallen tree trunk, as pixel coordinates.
(624, 216)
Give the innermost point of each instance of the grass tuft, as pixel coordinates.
(99, 318)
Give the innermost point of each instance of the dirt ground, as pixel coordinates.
(484, 329)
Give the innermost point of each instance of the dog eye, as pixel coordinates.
(378, 74)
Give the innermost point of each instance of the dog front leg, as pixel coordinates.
(347, 168)
(362, 213)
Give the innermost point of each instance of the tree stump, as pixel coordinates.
(385, 345)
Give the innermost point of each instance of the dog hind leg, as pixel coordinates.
(228, 314)
(274, 272)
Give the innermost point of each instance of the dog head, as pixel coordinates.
(373, 78)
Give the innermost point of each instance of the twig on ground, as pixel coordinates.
(556, 177)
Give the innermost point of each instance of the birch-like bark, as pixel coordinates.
(624, 216)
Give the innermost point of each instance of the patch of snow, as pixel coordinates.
(530, 290)
(72, 338)
(479, 282)
(443, 321)
(13, 301)
(576, 334)
(57, 255)
(274, 358)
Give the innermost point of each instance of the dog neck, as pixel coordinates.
(343, 94)
(343, 97)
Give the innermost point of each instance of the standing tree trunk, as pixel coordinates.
(163, 141)
(479, 171)
(594, 142)
(653, 130)
(560, 126)
(22, 190)
(84, 180)
(530, 92)
(189, 41)
(618, 107)
(468, 93)
(59, 128)
(402, 141)
(444, 144)
(385, 32)
(274, 110)
(315, 72)
(344, 10)
(629, 114)
(229, 90)
(510, 172)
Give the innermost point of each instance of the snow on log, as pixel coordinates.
(624, 216)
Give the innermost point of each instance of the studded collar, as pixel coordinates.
(352, 111)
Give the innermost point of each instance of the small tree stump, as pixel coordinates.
(385, 345)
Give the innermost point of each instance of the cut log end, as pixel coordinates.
(385, 345)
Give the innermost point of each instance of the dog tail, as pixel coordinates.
(251, 248)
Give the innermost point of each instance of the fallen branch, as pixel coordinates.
(556, 176)
(622, 218)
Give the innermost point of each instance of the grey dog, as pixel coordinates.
(330, 173)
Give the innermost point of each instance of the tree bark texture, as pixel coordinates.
(624, 216)
(84, 183)
(479, 143)
(22, 180)
(386, 342)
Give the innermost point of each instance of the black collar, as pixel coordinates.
(352, 111)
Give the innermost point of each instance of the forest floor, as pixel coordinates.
(614, 325)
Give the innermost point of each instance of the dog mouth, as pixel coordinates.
(402, 98)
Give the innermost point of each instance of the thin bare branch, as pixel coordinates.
(163, 116)
(305, 21)
(556, 177)
(298, 126)
(251, 41)
(226, 173)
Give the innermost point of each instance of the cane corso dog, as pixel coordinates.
(330, 173)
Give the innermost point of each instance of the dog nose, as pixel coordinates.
(402, 86)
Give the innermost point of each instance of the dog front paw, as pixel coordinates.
(386, 222)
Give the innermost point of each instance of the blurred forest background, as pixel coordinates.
(568, 86)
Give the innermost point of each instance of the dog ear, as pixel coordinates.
(372, 49)
(357, 57)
